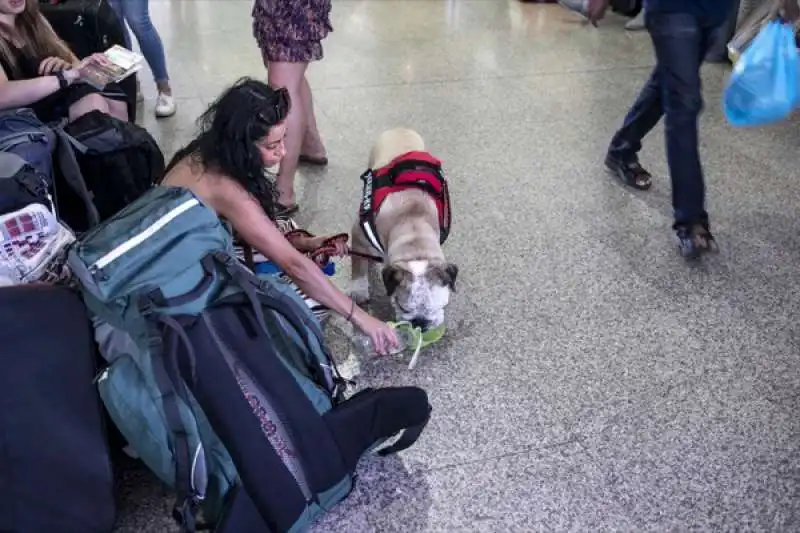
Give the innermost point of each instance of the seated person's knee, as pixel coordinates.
(90, 102)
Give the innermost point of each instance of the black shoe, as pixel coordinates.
(694, 240)
(631, 173)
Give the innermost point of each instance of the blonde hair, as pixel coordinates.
(36, 34)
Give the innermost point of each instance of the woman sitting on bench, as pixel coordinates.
(241, 135)
(38, 70)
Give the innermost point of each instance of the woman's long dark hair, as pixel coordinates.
(229, 130)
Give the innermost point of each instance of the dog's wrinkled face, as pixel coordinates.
(420, 290)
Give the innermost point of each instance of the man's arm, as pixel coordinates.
(790, 10)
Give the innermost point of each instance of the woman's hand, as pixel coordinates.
(51, 65)
(98, 58)
(383, 336)
(597, 10)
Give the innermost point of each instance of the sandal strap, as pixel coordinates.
(322, 255)
(638, 171)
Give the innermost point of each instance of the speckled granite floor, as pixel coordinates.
(591, 381)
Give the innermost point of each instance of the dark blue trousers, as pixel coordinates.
(673, 91)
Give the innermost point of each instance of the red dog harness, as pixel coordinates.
(419, 170)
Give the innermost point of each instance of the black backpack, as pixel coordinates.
(21, 184)
(249, 361)
(119, 161)
(42, 148)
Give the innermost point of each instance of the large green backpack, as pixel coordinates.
(129, 386)
(221, 381)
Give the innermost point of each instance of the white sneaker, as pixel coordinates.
(636, 23)
(165, 105)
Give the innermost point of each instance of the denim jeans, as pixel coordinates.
(681, 41)
(137, 15)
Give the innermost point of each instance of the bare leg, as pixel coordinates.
(97, 102)
(164, 87)
(90, 102)
(312, 143)
(290, 76)
(117, 109)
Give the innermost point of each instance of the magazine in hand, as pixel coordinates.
(121, 64)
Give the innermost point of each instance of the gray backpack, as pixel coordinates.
(39, 145)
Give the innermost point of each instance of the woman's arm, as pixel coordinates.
(26, 92)
(248, 219)
(260, 232)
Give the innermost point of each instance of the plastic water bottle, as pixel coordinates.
(363, 347)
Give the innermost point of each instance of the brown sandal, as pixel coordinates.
(313, 160)
(286, 211)
(632, 173)
(695, 240)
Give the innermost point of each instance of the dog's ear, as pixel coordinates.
(392, 276)
(445, 274)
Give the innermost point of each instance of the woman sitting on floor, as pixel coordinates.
(38, 70)
(241, 135)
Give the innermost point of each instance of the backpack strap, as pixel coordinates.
(240, 514)
(325, 375)
(68, 163)
(259, 294)
(167, 376)
(229, 411)
(373, 416)
(410, 436)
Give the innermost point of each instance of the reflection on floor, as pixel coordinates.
(591, 381)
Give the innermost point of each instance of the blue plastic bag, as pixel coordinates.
(763, 87)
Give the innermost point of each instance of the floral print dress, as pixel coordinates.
(291, 31)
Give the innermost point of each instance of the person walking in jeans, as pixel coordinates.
(682, 32)
(136, 14)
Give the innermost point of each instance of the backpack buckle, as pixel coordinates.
(184, 514)
(145, 304)
(341, 386)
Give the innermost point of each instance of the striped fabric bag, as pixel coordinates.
(33, 247)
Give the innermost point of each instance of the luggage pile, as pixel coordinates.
(128, 303)
(56, 181)
(59, 180)
(220, 380)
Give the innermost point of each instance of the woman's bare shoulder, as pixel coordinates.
(191, 176)
(222, 194)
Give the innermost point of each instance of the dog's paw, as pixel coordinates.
(359, 290)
